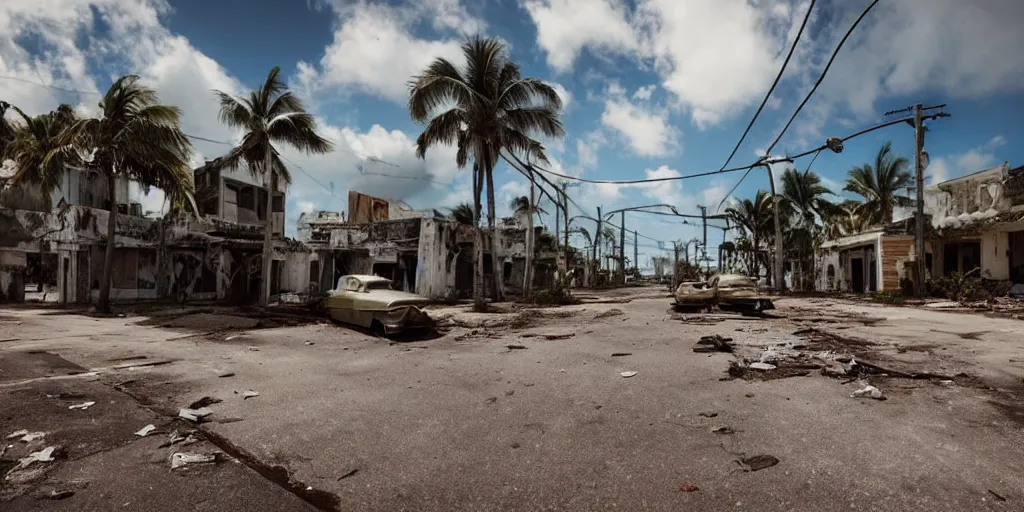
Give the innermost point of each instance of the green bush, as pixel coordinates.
(894, 298)
(557, 295)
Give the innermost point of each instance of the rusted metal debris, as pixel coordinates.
(713, 343)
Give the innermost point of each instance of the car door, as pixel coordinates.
(345, 300)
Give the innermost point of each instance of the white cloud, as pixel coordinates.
(587, 148)
(644, 93)
(563, 94)
(375, 52)
(973, 160)
(646, 129)
(565, 27)
(714, 194)
(668, 192)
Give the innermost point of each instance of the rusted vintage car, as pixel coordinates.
(370, 302)
(730, 292)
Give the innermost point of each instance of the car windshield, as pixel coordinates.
(377, 285)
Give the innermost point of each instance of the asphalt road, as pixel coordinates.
(463, 422)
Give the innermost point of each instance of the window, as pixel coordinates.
(351, 284)
(378, 285)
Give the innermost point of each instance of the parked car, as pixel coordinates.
(730, 292)
(370, 302)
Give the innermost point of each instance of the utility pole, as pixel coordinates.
(704, 221)
(675, 266)
(622, 248)
(919, 175)
(565, 248)
(636, 253)
(597, 237)
(778, 280)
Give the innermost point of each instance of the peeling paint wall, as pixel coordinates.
(963, 201)
(12, 272)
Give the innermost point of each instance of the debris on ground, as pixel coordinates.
(996, 495)
(758, 462)
(621, 354)
(16, 434)
(516, 347)
(708, 414)
(309, 343)
(713, 343)
(182, 459)
(254, 349)
(54, 494)
(173, 438)
(44, 455)
(868, 391)
(195, 415)
(205, 401)
(553, 337)
(83, 406)
(761, 366)
(32, 436)
(724, 430)
(685, 487)
(145, 431)
(628, 374)
(348, 474)
(610, 313)
(247, 394)
(226, 374)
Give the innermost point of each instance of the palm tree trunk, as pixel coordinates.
(528, 274)
(103, 304)
(496, 293)
(268, 176)
(479, 303)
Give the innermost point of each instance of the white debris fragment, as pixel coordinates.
(229, 338)
(182, 459)
(83, 406)
(868, 392)
(32, 436)
(628, 374)
(762, 366)
(145, 431)
(254, 349)
(194, 414)
(44, 455)
(17, 433)
(249, 394)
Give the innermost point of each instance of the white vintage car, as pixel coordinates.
(370, 302)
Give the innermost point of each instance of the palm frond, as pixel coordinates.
(445, 129)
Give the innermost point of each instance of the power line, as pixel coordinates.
(821, 77)
(16, 79)
(778, 77)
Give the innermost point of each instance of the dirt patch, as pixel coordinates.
(608, 314)
(16, 366)
(783, 370)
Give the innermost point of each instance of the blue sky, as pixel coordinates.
(652, 88)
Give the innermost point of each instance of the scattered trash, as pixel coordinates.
(17, 433)
(145, 431)
(254, 349)
(713, 343)
(309, 343)
(66, 395)
(227, 374)
(173, 438)
(182, 459)
(350, 473)
(761, 366)
(195, 415)
(56, 495)
(947, 383)
(758, 462)
(621, 354)
(629, 374)
(868, 391)
(205, 401)
(32, 436)
(44, 455)
(685, 487)
(996, 495)
(229, 338)
(708, 414)
(224, 421)
(516, 347)
(552, 337)
(249, 394)
(491, 400)
(83, 406)
(722, 430)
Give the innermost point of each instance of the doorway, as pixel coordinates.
(857, 275)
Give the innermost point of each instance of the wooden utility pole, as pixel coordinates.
(597, 238)
(704, 223)
(778, 281)
(919, 178)
(675, 266)
(565, 248)
(622, 247)
(636, 252)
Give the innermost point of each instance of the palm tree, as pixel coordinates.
(135, 138)
(484, 109)
(271, 114)
(754, 219)
(879, 185)
(804, 194)
(6, 130)
(462, 213)
(39, 155)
